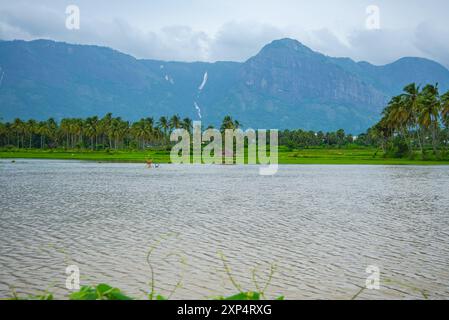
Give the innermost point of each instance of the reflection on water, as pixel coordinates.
(321, 225)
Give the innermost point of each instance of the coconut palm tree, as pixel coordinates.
(114, 131)
(105, 125)
(445, 109)
(64, 128)
(124, 132)
(175, 122)
(187, 124)
(31, 129)
(400, 117)
(78, 127)
(381, 132)
(163, 124)
(52, 130)
(138, 132)
(91, 128)
(44, 132)
(18, 128)
(149, 128)
(228, 123)
(411, 102)
(429, 111)
(3, 132)
(143, 130)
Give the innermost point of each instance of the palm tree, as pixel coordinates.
(123, 131)
(382, 132)
(18, 128)
(149, 128)
(65, 130)
(158, 134)
(430, 111)
(31, 128)
(105, 125)
(445, 109)
(118, 131)
(400, 117)
(163, 125)
(95, 125)
(411, 101)
(43, 132)
(175, 122)
(3, 132)
(114, 130)
(91, 130)
(51, 129)
(8, 129)
(228, 123)
(143, 130)
(187, 124)
(72, 128)
(78, 127)
(138, 132)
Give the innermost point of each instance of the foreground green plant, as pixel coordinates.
(100, 292)
(106, 292)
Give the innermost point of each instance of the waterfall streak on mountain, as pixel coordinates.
(204, 82)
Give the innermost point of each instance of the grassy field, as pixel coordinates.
(113, 156)
(369, 156)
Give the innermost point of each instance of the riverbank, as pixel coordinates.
(362, 156)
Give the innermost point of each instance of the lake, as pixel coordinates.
(321, 226)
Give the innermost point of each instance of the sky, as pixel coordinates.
(212, 30)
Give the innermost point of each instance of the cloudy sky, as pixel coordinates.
(210, 30)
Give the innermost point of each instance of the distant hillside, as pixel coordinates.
(286, 85)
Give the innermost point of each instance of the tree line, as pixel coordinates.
(111, 132)
(96, 133)
(415, 121)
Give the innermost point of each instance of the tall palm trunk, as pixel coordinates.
(406, 138)
(418, 132)
(434, 138)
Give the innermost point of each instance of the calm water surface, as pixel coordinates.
(321, 225)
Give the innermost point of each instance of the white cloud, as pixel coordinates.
(433, 41)
(233, 30)
(382, 46)
(237, 41)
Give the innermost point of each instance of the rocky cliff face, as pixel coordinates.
(290, 71)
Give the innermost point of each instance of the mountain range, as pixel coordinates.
(285, 86)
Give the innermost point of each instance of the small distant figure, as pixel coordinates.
(150, 164)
